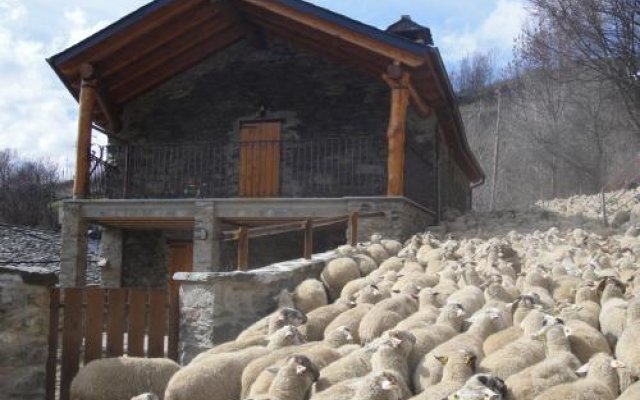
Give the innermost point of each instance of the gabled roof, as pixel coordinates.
(165, 37)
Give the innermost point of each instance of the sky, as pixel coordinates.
(38, 115)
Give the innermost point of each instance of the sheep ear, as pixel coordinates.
(567, 331)
(443, 359)
(617, 364)
(583, 370)
(470, 360)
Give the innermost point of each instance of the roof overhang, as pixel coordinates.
(166, 37)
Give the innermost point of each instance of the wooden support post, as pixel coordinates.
(243, 248)
(353, 220)
(52, 356)
(308, 239)
(85, 121)
(400, 94)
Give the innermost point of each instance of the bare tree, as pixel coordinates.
(603, 37)
(474, 73)
(27, 190)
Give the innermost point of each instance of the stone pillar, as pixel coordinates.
(73, 252)
(206, 238)
(111, 258)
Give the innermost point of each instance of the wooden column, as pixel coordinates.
(85, 120)
(400, 94)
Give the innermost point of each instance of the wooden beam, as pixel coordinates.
(157, 38)
(83, 142)
(243, 249)
(308, 239)
(342, 33)
(396, 135)
(141, 66)
(128, 35)
(353, 221)
(108, 109)
(422, 107)
(180, 62)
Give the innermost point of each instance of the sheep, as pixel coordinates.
(586, 340)
(217, 375)
(385, 315)
(146, 396)
(366, 264)
(429, 370)
(613, 312)
(370, 294)
(470, 297)
(601, 382)
(285, 336)
(294, 379)
(557, 368)
(271, 323)
(481, 387)
(377, 252)
(339, 336)
(350, 319)
(318, 319)
(337, 273)
(632, 392)
(447, 325)
(627, 349)
(523, 325)
(351, 288)
(391, 264)
(95, 381)
(358, 363)
(320, 355)
(309, 295)
(392, 247)
(458, 368)
(376, 386)
(513, 357)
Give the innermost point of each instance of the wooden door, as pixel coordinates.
(180, 260)
(260, 159)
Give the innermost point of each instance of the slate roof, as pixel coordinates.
(37, 251)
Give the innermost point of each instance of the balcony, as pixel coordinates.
(327, 167)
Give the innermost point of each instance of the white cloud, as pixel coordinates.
(496, 32)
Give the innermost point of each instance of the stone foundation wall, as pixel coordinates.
(144, 259)
(216, 306)
(24, 319)
(402, 218)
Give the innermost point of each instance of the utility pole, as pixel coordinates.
(496, 154)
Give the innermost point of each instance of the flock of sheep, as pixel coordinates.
(473, 311)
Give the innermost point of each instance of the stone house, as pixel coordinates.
(222, 114)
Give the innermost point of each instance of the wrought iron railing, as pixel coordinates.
(327, 167)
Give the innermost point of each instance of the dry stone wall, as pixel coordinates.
(24, 318)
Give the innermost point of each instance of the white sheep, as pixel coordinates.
(309, 295)
(601, 382)
(459, 366)
(218, 375)
(95, 381)
(337, 274)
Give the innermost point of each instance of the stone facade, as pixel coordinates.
(144, 259)
(216, 306)
(313, 98)
(24, 319)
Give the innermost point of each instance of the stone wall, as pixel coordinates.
(24, 319)
(314, 99)
(144, 259)
(216, 306)
(420, 164)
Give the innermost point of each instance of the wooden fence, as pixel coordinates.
(90, 323)
(243, 234)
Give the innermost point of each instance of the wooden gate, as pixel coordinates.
(260, 159)
(90, 323)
